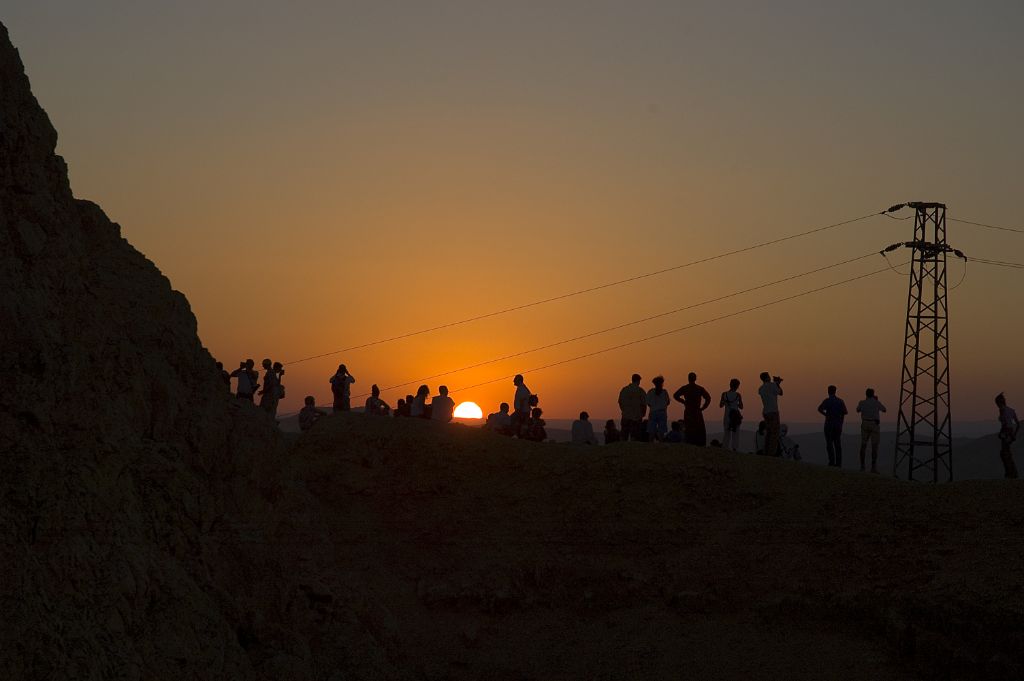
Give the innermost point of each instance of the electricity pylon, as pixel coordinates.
(924, 441)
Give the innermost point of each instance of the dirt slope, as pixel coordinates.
(501, 559)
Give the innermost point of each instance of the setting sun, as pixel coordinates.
(468, 410)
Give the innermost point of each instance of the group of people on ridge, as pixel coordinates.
(644, 413)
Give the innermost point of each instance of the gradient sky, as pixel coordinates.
(315, 175)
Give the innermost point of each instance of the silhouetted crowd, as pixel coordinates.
(644, 413)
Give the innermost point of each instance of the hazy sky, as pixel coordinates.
(314, 175)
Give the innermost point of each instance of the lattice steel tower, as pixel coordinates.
(924, 447)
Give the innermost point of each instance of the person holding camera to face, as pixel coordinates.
(770, 391)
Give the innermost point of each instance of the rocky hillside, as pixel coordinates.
(120, 451)
(155, 528)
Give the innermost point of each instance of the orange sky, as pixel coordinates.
(318, 177)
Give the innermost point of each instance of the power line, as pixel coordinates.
(625, 324)
(998, 263)
(986, 225)
(591, 289)
(675, 331)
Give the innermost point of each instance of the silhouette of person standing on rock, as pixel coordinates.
(341, 388)
(770, 391)
(834, 410)
(695, 399)
(520, 405)
(870, 410)
(1009, 427)
(633, 405)
(248, 380)
(271, 393)
(658, 400)
(732, 402)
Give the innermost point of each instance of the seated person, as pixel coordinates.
(309, 414)
(675, 435)
(534, 430)
(500, 421)
(611, 433)
(583, 430)
(442, 407)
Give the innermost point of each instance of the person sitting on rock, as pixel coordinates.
(611, 433)
(788, 448)
(270, 394)
(309, 414)
(583, 430)
(534, 429)
(418, 410)
(442, 407)
(376, 406)
(676, 435)
(500, 421)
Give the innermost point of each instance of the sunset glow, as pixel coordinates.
(468, 410)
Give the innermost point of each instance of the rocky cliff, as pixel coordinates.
(136, 496)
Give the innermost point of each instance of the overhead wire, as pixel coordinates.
(681, 329)
(628, 324)
(591, 289)
(986, 225)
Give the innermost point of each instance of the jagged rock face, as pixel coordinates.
(93, 339)
(126, 469)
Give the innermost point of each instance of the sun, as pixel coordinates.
(468, 410)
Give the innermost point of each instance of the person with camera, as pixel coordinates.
(248, 380)
(341, 388)
(770, 391)
(870, 410)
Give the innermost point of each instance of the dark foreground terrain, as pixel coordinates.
(490, 558)
(153, 527)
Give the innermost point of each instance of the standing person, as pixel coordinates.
(247, 384)
(341, 388)
(419, 403)
(870, 410)
(611, 433)
(633, 404)
(695, 399)
(658, 400)
(442, 407)
(583, 430)
(309, 414)
(732, 401)
(770, 391)
(1009, 427)
(520, 405)
(270, 394)
(279, 370)
(834, 410)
